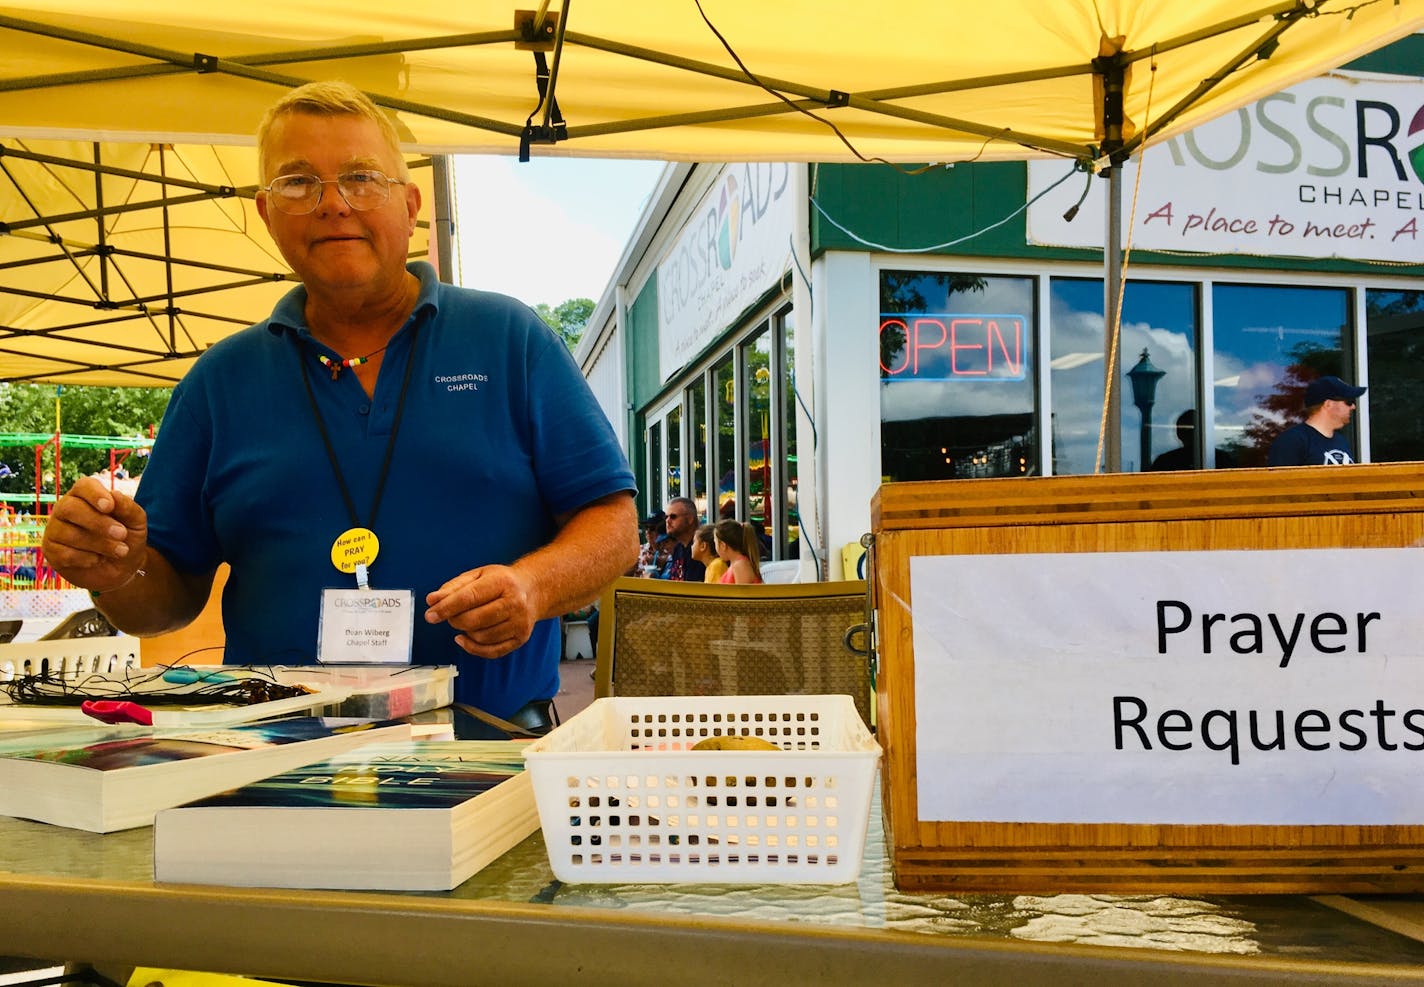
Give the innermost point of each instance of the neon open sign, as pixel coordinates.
(928, 346)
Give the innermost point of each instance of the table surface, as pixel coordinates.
(67, 894)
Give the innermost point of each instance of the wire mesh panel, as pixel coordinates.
(689, 644)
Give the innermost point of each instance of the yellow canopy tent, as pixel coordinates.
(811, 80)
(122, 262)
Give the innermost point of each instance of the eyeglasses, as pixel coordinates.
(297, 195)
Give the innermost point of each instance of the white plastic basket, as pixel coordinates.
(622, 798)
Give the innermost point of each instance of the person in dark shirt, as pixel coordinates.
(1184, 457)
(682, 521)
(1320, 439)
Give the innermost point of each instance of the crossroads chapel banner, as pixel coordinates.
(1222, 687)
(1331, 168)
(734, 248)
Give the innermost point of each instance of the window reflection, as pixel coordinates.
(791, 543)
(697, 455)
(1394, 327)
(674, 453)
(956, 376)
(655, 466)
(1270, 341)
(724, 406)
(1157, 318)
(757, 429)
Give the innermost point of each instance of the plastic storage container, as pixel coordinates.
(623, 799)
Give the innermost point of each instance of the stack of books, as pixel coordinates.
(104, 779)
(412, 816)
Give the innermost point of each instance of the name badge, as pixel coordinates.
(367, 626)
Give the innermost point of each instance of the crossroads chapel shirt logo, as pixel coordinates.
(460, 382)
(1337, 457)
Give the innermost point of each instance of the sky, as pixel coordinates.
(549, 229)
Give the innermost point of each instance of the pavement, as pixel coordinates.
(575, 687)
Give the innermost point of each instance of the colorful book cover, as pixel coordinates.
(113, 751)
(414, 775)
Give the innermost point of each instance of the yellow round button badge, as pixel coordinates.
(353, 547)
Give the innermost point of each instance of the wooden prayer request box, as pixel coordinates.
(1183, 683)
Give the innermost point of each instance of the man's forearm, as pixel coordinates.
(158, 599)
(594, 547)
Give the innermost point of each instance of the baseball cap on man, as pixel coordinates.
(1330, 389)
(657, 517)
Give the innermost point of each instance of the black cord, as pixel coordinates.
(822, 120)
(244, 687)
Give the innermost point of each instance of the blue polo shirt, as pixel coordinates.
(499, 433)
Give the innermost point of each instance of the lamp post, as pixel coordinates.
(1144, 377)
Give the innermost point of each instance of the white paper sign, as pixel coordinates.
(366, 626)
(1225, 687)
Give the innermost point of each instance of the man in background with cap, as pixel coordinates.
(654, 551)
(1320, 439)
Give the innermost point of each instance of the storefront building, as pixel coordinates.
(780, 339)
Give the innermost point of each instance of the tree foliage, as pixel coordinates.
(569, 318)
(121, 412)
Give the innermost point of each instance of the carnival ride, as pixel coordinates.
(22, 563)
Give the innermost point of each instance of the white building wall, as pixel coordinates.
(605, 375)
(847, 398)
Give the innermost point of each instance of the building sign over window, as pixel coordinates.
(1333, 167)
(733, 249)
(930, 346)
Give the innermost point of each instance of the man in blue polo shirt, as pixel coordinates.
(381, 441)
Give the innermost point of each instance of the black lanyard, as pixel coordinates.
(390, 443)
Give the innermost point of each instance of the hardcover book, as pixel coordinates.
(104, 779)
(415, 816)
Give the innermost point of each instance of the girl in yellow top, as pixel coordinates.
(704, 550)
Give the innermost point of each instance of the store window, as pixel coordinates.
(724, 408)
(663, 446)
(696, 400)
(957, 394)
(790, 532)
(1157, 424)
(728, 439)
(1394, 333)
(1269, 341)
(655, 466)
(673, 429)
(759, 478)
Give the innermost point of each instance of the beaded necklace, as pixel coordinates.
(336, 366)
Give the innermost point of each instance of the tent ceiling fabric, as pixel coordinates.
(122, 262)
(913, 82)
(649, 78)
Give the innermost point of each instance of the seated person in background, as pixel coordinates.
(704, 550)
(681, 523)
(739, 547)
(653, 553)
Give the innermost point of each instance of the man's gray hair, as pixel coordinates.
(689, 503)
(329, 99)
